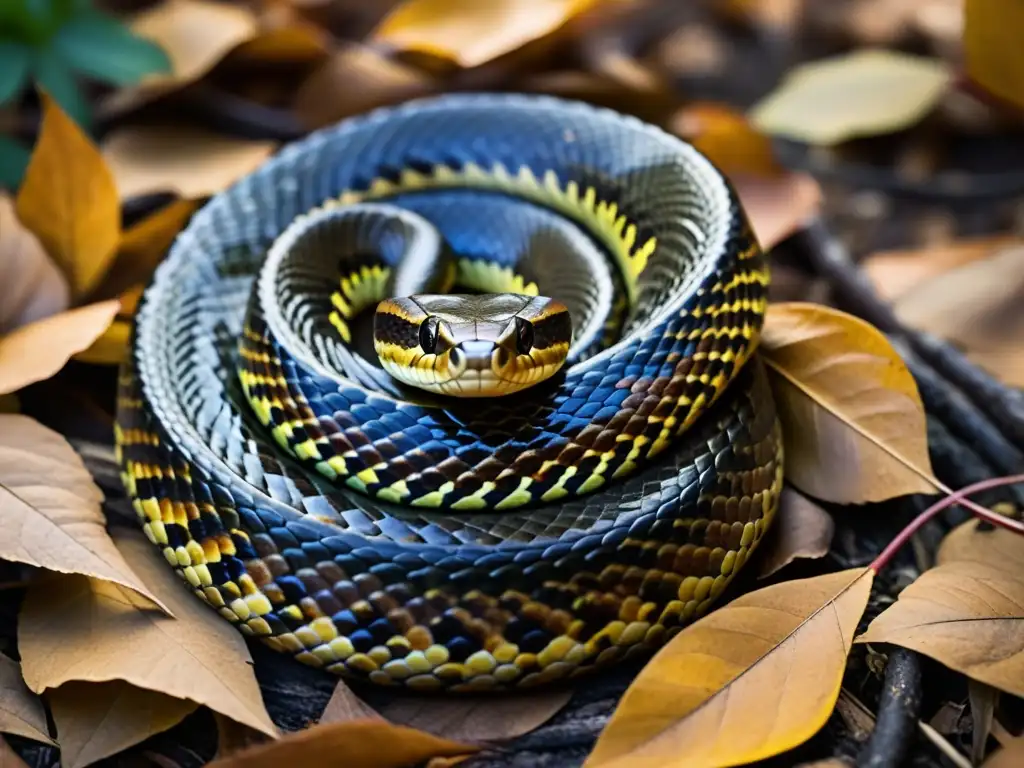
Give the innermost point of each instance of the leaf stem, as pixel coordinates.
(955, 497)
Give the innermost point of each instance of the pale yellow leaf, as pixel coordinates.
(852, 419)
(188, 161)
(470, 32)
(69, 200)
(32, 285)
(21, 711)
(97, 720)
(95, 631)
(352, 744)
(802, 529)
(864, 93)
(778, 207)
(37, 351)
(992, 52)
(965, 614)
(750, 680)
(50, 508)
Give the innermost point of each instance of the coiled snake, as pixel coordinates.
(602, 465)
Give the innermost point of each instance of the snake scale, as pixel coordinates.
(412, 538)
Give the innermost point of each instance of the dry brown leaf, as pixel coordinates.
(111, 347)
(69, 200)
(852, 419)
(33, 286)
(974, 541)
(21, 711)
(353, 80)
(95, 631)
(234, 737)
(469, 32)
(9, 758)
(1011, 756)
(802, 529)
(188, 161)
(97, 720)
(727, 138)
(353, 744)
(992, 53)
(894, 273)
(702, 699)
(50, 508)
(344, 706)
(983, 700)
(477, 719)
(778, 207)
(966, 615)
(290, 44)
(36, 351)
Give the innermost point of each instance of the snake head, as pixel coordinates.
(472, 345)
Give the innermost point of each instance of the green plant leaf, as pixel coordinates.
(14, 64)
(13, 162)
(53, 74)
(100, 47)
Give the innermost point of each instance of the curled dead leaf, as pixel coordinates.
(965, 614)
(802, 529)
(69, 200)
(33, 286)
(50, 509)
(93, 631)
(778, 207)
(354, 744)
(188, 161)
(852, 419)
(702, 699)
(37, 351)
(21, 711)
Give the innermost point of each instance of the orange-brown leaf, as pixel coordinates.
(752, 679)
(1011, 756)
(69, 200)
(21, 711)
(970, 541)
(94, 631)
(37, 351)
(50, 509)
(727, 138)
(344, 706)
(778, 207)
(353, 744)
(965, 614)
(852, 418)
(9, 758)
(993, 55)
(801, 529)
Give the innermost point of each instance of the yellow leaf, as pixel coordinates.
(36, 351)
(965, 614)
(993, 55)
(97, 720)
(852, 419)
(144, 245)
(470, 32)
(750, 680)
(778, 207)
(802, 529)
(68, 199)
(21, 711)
(33, 287)
(111, 348)
(864, 93)
(727, 138)
(188, 161)
(50, 508)
(352, 744)
(93, 631)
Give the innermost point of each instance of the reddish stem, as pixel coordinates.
(957, 497)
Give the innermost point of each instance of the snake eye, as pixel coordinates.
(524, 336)
(428, 335)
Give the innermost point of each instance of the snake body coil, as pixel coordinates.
(408, 538)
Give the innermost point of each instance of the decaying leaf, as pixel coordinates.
(353, 744)
(97, 720)
(69, 200)
(94, 631)
(38, 350)
(802, 529)
(50, 509)
(477, 720)
(992, 52)
(779, 206)
(471, 33)
(188, 161)
(21, 711)
(727, 138)
(33, 286)
(863, 93)
(964, 614)
(974, 541)
(852, 418)
(702, 700)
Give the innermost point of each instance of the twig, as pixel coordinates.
(897, 712)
